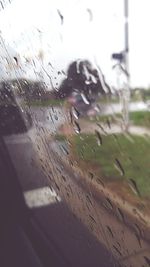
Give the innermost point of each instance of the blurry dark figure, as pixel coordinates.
(83, 86)
(13, 119)
(82, 76)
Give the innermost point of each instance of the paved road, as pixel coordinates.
(74, 242)
(73, 239)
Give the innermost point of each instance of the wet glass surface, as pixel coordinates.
(75, 115)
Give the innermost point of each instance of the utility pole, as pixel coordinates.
(123, 62)
(126, 90)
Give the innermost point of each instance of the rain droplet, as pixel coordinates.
(90, 14)
(2, 5)
(50, 65)
(138, 230)
(101, 127)
(91, 175)
(77, 129)
(70, 189)
(119, 167)
(65, 150)
(99, 138)
(16, 60)
(147, 260)
(89, 200)
(61, 16)
(92, 218)
(138, 239)
(110, 231)
(109, 203)
(120, 214)
(58, 169)
(71, 117)
(63, 72)
(108, 123)
(75, 113)
(134, 187)
(99, 181)
(58, 188)
(56, 117)
(117, 250)
(86, 101)
(77, 66)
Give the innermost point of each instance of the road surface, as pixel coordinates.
(72, 239)
(40, 167)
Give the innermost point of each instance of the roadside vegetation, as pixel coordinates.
(138, 118)
(117, 158)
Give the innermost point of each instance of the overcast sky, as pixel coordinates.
(91, 29)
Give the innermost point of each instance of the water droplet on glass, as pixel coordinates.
(71, 117)
(119, 167)
(63, 72)
(63, 178)
(99, 181)
(65, 150)
(120, 214)
(16, 60)
(99, 138)
(58, 188)
(61, 16)
(110, 205)
(89, 200)
(91, 175)
(138, 239)
(77, 128)
(92, 218)
(2, 5)
(134, 187)
(75, 113)
(102, 129)
(85, 100)
(110, 231)
(56, 117)
(77, 66)
(90, 14)
(117, 250)
(147, 260)
(108, 123)
(138, 230)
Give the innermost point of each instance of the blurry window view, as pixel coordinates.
(75, 121)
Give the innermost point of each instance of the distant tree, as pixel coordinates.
(83, 77)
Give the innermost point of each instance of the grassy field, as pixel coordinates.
(117, 157)
(139, 118)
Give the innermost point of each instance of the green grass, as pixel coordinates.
(45, 103)
(60, 137)
(105, 118)
(139, 118)
(134, 157)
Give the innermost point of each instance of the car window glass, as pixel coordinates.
(74, 114)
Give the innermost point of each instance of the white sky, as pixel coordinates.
(32, 25)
